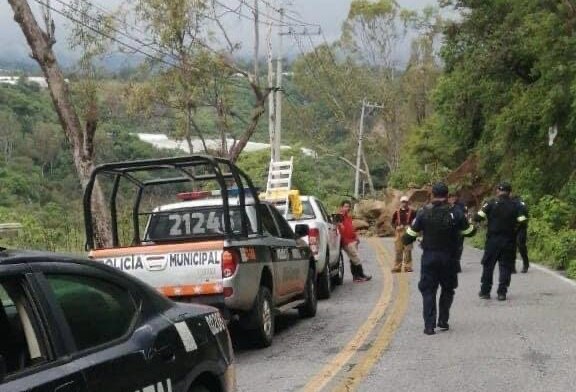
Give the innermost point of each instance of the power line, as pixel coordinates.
(279, 10)
(122, 43)
(104, 34)
(247, 17)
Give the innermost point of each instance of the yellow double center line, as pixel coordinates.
(365, 364)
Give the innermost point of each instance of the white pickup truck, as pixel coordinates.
(324, 241)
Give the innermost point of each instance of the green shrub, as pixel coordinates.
(571, 270)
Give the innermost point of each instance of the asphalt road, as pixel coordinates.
(368, 337)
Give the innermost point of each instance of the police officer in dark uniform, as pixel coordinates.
(504, 215)
(441, 227)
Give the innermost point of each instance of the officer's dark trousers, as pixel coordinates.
(438, 269)
(522, 248)
(501, 251)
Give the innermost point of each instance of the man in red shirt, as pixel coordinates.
(401, 220)
(350, 241)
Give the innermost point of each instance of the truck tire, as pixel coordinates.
(339, 278)
(324, 280)
(263, 311)
(308, 309)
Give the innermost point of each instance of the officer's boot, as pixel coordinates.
(397, 267)
(360, 275)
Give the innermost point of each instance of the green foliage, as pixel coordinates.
(509, 76)
(571, 271)
(551, 238)
(40, 188)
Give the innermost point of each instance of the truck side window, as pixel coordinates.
(325, 215)
(285, 229)
(20, 343)
(268, 224)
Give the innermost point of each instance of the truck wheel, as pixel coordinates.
(308, 309)
(264, 313)
(324, 281)
(339, 279)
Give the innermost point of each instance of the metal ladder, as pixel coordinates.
(279, 184)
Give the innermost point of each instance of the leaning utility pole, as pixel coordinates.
(365, 104)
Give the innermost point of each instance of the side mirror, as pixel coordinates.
(337, 218)
(2, 368)
(301, 231)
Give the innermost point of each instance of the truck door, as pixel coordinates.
(333, 235)
(277, 249)
(295, 269)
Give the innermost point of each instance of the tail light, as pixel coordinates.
(195, 195)
(230, 261)
(314, 240)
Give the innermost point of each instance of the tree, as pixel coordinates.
(45, 145)
(80, 138)
(200, 77)
(372, 31)
(10, 130)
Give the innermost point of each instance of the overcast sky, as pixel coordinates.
(328, 13)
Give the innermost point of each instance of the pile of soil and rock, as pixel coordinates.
(374, 217)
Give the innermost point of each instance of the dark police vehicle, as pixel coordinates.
(72, 325)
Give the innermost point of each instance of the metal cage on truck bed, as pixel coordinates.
(194, 171)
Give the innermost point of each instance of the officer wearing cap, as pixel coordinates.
(504, 215)
(441, 227)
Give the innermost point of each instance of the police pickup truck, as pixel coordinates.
(68, 324)
(199, 233)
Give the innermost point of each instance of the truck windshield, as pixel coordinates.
(307, 213)
(193, 222)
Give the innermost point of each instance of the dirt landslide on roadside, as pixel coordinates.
(373, 217)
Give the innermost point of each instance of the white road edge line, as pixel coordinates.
(553, 273)
(540, 268)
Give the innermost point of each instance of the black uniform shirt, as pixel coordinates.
(504, 215)
(441, 226)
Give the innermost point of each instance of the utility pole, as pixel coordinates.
(271, 95)
(365, 104)
(278, 93)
